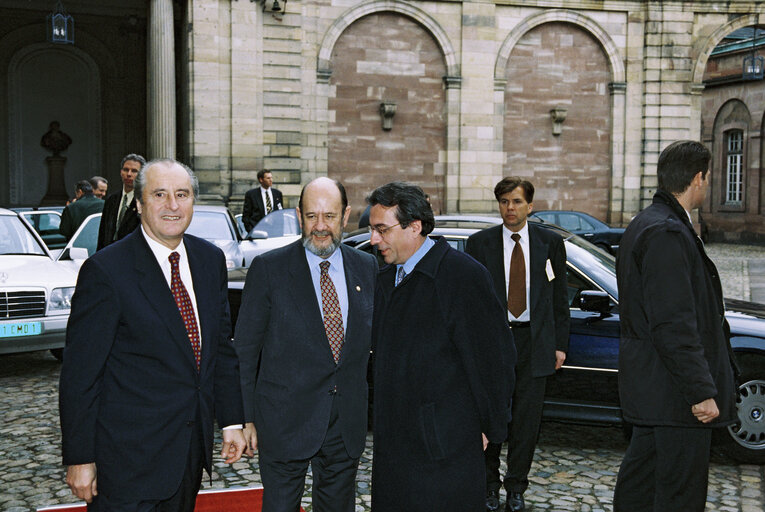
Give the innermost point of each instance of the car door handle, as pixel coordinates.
(588, 234)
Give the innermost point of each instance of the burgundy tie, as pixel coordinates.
(330, 307)
(183, 301)
(516, 290)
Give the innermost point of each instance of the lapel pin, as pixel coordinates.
(358, 288)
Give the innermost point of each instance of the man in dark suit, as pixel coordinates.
(443, 363)
(527, 264)
(303, 338)
(77, 211)
(148, 359)
(676, 366)
(120, 215)
(260, 201)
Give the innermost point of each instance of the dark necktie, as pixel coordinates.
(183, 301)
(120, 215)
(330, 307)
(516, 290)
(269, 207)
(400, 275)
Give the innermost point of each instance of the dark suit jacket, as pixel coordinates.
(130, 221)
(288, 372)
(130, 390)
(254, 209)
(77, 212)
(549, 306)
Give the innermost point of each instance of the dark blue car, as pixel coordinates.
(585, 225)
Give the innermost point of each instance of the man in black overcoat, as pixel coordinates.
(527, 263)
(443, 363)
(676, 367)
(120, 215)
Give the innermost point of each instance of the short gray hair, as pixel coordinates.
(140, 181)
(135, 157)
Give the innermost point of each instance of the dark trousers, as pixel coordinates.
(664, 469)
(523, 430)
(334, 476)
(184, 498)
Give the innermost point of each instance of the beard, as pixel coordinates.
(322, 252)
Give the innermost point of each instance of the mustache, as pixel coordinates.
(316, 232)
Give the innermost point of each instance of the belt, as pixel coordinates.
(520, 325)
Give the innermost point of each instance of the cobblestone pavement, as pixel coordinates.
(574, 468)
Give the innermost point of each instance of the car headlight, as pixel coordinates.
(230, 264)
(60, 300)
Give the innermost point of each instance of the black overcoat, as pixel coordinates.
(674, 351)
(443, 374)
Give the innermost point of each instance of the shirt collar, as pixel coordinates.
(415, 258)
(161, 252)
(524, 232)
(335, 260)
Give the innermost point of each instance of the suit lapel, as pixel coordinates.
(205, 294)
(157, 293)
(536, 265)
(495, 262)
(304, 295)
(259, 199)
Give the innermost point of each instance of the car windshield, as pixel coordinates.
(279, 223)
(210, 226)
(594, 262)
(15, 238)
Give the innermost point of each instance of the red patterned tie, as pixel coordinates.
(516, 292)
(330, 307)
(183, 301)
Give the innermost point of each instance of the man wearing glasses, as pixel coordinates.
(443, 363)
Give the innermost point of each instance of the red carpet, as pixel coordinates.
(222, 500)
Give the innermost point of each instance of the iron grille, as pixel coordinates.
(21, 304)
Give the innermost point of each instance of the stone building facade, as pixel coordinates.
(579, 96)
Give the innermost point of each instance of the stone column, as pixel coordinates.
(160, 83)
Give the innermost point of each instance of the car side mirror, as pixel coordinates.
(78, 253)
(595, 301)
(256, 234)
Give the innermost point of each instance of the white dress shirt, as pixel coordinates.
(507, 248)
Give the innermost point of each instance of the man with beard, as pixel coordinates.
(303, 339)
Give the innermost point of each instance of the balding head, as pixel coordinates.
(323, 213)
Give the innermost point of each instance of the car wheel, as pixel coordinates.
(746, 438)
(58, 353)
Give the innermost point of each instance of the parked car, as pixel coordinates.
(46, 222)
(585, 390)
(277, 229)
(584, 225)
(35, 291)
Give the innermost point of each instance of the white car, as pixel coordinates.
(35, 290)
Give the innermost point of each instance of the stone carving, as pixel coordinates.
(55, 140)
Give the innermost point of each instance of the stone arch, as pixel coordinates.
(324, 66)
(561, 15)
(706, 47)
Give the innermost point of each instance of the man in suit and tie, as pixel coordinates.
(260, 201)
(149, 360)
(120, 215)
(303, 338)
(528, 266)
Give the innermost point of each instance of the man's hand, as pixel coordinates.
(81, 479)
(485, 441)
(251, 437)
(560, 358)
(233, 445)
(706, 411)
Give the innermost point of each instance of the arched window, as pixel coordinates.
(734, 167)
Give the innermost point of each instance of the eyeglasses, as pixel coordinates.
(381, 229)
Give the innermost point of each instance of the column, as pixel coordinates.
(160, 84)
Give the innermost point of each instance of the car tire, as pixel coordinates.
(745, 440)
(58, 353)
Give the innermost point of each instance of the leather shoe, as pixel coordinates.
(515, 502)
(492, 501)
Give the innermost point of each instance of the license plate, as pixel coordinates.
(20, 329)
